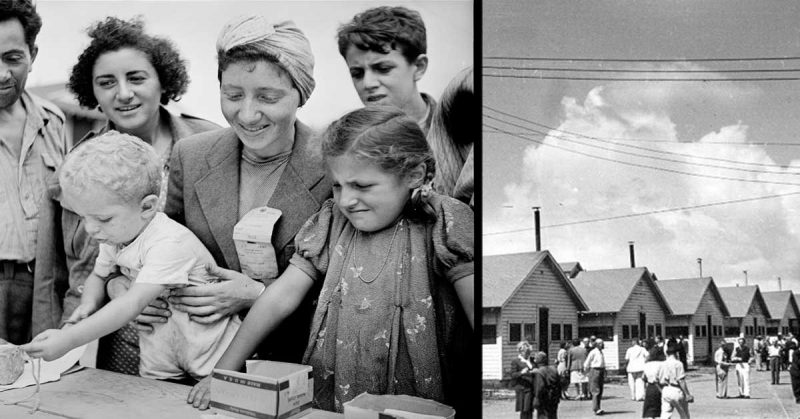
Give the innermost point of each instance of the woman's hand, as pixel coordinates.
(156, 312)
(200, 394)
(212, 302)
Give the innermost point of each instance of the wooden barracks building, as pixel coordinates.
(526, 296)
(698, 313)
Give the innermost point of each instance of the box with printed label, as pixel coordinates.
(268, 390)
(370, 406)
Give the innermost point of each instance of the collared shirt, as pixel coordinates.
(774, 350)
(671, 372)
(595, 359)
(22, 178)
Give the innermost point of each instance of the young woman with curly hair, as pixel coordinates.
(129, 76)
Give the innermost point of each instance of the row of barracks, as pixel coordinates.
(531, 296)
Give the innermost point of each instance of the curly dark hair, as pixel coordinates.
(382, 29)
(113, 34)
(25, 12)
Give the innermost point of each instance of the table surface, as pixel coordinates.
(92, 393)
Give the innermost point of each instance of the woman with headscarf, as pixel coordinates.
(129, 75)
(263, 162)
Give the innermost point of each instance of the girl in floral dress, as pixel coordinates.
(395, 261)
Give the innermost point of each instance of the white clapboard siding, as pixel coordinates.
(492, 355)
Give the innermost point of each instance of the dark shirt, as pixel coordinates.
(741, 354)
(546, 387)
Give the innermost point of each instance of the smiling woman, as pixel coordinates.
(129, 75)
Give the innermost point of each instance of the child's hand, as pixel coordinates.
(200, 394)
(81, 312)
(48, 345)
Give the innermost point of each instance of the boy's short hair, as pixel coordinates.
(382, 29)
(122, 164)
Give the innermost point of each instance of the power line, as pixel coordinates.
(695, 143)
(639, 214)
(611, 141)
(540, 77)
(645, 166)
(714, 166)
(617, 70)
(642, 60)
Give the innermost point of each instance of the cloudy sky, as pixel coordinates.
(194, 25)
(714, 166)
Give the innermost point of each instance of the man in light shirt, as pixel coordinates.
(636, 356)
(674, 392)
(32, 146)
(722, 361)
(595, 365)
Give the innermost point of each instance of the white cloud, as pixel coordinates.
(759, 236)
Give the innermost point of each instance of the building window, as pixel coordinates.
(514, 332)
(659, 331)
(602, 332)
(697, 330)
(567, 332)
(626, 333)
(635, 331)
(675, 331)
(748, 330)
(651, 331)
(529, 333)
(555, 332)
(489, 333)
(731, 331)
(785, 330)
(703, 331)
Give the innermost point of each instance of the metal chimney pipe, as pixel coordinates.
(633, 259)
(537, 229)
(779, 284)
(745, 278)
(700, 263)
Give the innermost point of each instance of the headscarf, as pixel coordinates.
(283, 41)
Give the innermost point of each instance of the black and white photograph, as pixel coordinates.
(238, 209)
(640, 209)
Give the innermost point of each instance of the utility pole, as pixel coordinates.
(700, 264)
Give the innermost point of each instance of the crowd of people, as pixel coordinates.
(656, 373)
(129, 235)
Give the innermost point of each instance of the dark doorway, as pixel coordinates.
(710, 344)
(544, 328)
(643, 325)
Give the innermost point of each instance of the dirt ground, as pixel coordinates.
(767, 401)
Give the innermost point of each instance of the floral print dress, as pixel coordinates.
(374, 328)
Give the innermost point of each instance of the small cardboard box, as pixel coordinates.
(269, 389)
(370, 406)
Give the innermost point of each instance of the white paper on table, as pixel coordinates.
(51, 370)
(396, 413)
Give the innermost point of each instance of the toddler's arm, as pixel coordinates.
(91, 299)
(52, 344)
(271, 308)
(464, 289)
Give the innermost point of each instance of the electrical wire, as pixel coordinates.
(640, 214)
(641, 60)
(540, 77)
(662, 159)
(612, 141)
(643, 165)
(618, 70)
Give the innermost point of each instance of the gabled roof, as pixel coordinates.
(684, 295)
(739, 299)
(607, 290)
(777, 302)
(504, 274)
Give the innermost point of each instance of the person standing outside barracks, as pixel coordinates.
(575, 357)
(721, 359)
(636, 356)
(32, 145)
(675, 394)
(595, 364)
(741, 359)
(385, 49)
